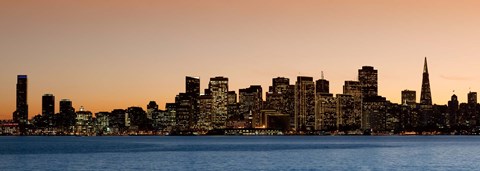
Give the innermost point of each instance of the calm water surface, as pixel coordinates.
(241, 153)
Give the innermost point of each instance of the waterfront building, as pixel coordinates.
(304, 104)
(218, 89)
(354, 89)
(21, 114)
(48, 108)
(326, 112)
(83, 122)
(346, 117)
(250, 103)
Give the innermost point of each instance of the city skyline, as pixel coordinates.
(105, 56)
(368, 74)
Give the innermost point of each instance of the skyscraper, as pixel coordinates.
(48, 104)
(204, 123)
(48, 107)
(368, 77)
(354, 88)
(66, 106)
(192, 86)
(21, 114)
(452, 111)
(425, 96)
(304, 104)
(185, 111)
(322, 86)
(67, 113)
(218, 89)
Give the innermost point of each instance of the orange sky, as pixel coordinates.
(115, 54)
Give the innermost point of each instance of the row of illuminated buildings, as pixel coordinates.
(305, 106)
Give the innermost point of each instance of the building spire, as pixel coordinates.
(425, 67)
(323, 76)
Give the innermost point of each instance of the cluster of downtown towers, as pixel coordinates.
(304, 107)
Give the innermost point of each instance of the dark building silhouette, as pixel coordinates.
(322, 86)
(472, 98)
(21, 114)
(152, 107)
(117, 120)
(426, 118)
(137, 119)
(66, 106)
(48, 108)
(409, 97)
(48, 104)
(368, 78)
(425, 96)
(67, 114)
(452, 111)
(192, 86)
(304, 104)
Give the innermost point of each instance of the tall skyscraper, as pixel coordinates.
(204, 123)
(425, 96)
(354, 88)
(304, 104)
(346, 118)
(325, 112)
(21, 114)
(218, 89)
(48, 104)
(472, 98)
(368, 77)
(67, 113)
(185, 111)
(409, 97)
(192, 86)
(452, 111)
(48, 107)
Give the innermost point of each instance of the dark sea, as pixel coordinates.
(241, 153)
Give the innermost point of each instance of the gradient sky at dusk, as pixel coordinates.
(115, 54)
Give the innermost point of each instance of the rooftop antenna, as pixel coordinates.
(323, 76)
